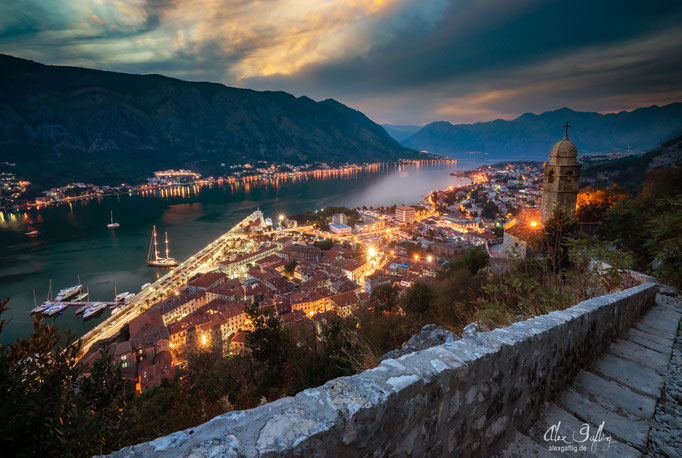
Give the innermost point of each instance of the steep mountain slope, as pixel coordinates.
(531, 136)
(630, 172)
(64, 123)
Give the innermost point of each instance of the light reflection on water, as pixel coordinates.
(74, 240)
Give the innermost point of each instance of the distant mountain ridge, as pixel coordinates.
(61, 124)
(400, 132)
(531, 136)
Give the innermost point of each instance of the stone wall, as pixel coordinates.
(457, 398)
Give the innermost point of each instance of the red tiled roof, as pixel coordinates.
(207, 279)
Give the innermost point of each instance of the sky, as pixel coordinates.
(398, 61)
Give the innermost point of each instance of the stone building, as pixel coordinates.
(561, 180)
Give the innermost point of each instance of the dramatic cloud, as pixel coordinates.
(399, 61)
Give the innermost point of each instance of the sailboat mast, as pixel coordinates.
(156, 246)
(167, 252)
(112, 217)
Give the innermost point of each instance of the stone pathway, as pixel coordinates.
(627, 404)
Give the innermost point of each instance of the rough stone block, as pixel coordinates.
(618, 395)
(640, 379)
(625, 428)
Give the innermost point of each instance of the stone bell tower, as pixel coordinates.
(562, 176)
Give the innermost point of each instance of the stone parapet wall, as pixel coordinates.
(459, 398)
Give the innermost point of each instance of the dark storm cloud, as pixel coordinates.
(397, 60)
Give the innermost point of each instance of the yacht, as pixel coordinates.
(94, 309)
(67, 293)
(121, 297)
(81, 297)
(112, 224)
(56, 308)
(32, 233)
(153, 258)
(45, 305)
(83, 309)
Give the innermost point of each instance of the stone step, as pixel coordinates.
(575, 431)
(665, 350)
(520, 446)
(665, 314)
(638, 378)
(624, 427)
(657, 338)
(640, 354)
(646, 328)
(660, 320)
(616, 394)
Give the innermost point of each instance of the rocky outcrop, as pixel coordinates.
(430, 335)
(458, 398)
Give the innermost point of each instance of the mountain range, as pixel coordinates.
(400, 132)
(62, 124)
(531, 136)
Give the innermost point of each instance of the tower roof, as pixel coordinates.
(564, 149)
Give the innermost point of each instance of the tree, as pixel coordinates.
(490, 210)
(555, 231)
(592, 203)
(664, 241)
(417, 299)
(385, 297)
(475, 259)
(290, 268)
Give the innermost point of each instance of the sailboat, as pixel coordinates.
(45, 305)
(112, 224)
(153, 258)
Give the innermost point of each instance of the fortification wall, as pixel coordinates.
(458, 398)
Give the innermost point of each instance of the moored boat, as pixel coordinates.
(112, 224)
(81, 297)
(94, 310)
(153, 258)
(82, 309)
(67, 293)
(42, 307)
(121, 297)
(55, 309)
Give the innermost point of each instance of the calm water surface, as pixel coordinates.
(75, 242)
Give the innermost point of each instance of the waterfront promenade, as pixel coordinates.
(171, 283)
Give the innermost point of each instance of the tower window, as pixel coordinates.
(569, 176)
(550, 176)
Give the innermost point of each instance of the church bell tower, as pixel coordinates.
(562, 176)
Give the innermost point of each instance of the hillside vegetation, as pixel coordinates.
(67, 123)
